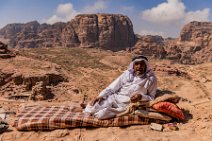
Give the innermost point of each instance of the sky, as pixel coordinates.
(149, 17)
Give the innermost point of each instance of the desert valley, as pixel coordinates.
(66, 63)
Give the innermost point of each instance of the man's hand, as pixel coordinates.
(135, 98)
(83, 105)
(98, 99)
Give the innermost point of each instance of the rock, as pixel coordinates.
(171, 70)
(75, 90)
(5, 77)
(107, 31)
(2, 114)
(55, 77)
(203, 80)
(150, 46)
(194, 46)
(30, 80)
(17, 78)
(157, 127)
(33, 34)
(40, 91)
(113, 32)
(4, 52)
(22, 86)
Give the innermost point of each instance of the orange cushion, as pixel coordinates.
(169, 109)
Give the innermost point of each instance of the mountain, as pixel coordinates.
(114, 32)
(194, 44)
(107, 31)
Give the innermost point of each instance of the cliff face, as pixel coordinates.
(32, 34)
(114, 32)
(198, 32)
(107, 31)
(194, 45)
(150, 46)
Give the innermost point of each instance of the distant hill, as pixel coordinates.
(107, 31)
(113, 32)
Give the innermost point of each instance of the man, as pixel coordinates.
(136, 83)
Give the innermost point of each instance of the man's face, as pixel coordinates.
(139, 67)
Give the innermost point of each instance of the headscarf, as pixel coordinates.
(131, 70)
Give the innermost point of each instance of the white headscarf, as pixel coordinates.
(131, 70)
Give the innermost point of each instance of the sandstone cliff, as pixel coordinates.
(194, 45)
(33, 34)
(150, 46)
(114, 32)
(107, 31)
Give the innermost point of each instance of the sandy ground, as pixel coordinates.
(195, 90)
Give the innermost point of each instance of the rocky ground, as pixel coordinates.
(82, 74)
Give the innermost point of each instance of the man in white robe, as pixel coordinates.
(136, 83)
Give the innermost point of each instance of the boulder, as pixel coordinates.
(40, 91)
(30, 80)
(5, 52)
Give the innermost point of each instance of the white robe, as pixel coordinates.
(116, 97)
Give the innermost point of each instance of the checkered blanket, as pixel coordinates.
(59, 117)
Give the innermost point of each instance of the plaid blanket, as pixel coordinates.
(59, 117)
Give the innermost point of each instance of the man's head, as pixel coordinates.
(139, 67)
(139, 64)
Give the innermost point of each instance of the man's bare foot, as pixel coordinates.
(77, 109)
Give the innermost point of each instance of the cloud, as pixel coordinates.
(173, 11)
(170, 17)
(64, 13)
(169, 11)
(53, 19)
(97, 6)
(199, 15)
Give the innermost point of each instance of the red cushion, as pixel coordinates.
(169, 109)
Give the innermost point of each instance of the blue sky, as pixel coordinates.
(155, 17)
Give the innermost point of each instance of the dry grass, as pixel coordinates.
(69, 59)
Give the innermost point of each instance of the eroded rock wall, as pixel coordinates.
(107, 31)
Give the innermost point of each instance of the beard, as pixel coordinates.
(139, 72)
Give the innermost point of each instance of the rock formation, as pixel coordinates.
(5, 77)
(107, 31)
(150, 46)
(4, 52)
(40, 92)
(113, 32)
(51, 78)
(15, 85)
(194, 45)
(33, 34)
